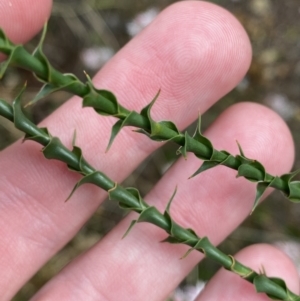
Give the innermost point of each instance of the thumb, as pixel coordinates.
(22, 19)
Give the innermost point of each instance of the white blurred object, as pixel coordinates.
(189, 292)
(141, 21)
(95, 57)
(292, 249)
(261, 7)
(282, 105)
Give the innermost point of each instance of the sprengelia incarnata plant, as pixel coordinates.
(106, 104)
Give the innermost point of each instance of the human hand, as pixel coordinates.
(195, 52)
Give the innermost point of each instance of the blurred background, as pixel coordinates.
(84, 34)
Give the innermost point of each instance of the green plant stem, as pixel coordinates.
(130, 198)
(105, 103)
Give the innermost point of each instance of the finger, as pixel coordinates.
(187, 67)
(213, 204)
(227, 286)
(22, 19)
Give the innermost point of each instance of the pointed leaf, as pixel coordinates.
(171, 200)
(119, 125)
(213, 162)
(186, 254)
(146, 110)
(294, 194)
(253, 171)
(103, 102)
(240, 149)
(129, 228)
(171, 240)
(137, 195)
(289, 176)
(183, 149)
(70, 80)
(92, 178)
(74, 138)
(198, 128)
(153, 216)
(260, 189)
(205, 166)
(273, 289)
(78, 153)
(15, 53)
(114, 132)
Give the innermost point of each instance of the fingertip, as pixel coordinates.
(218, 30)
(195, 51)
(253, 122)
(21, 20)
(274, 262)
(262, 258)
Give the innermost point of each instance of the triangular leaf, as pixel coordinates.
(15, 53)
(187, 253)
(294, 194)
(240, 149)
(47, 89)
(171, 200)
(171, 240)
(153, 216)
(272, 288)
(92, 178)
(129, 228)
(253, 171)
(260, 189)
(204, 166)
(74, 138)
(103, 102)
(146, 110)
(119, 125)
(114, 132)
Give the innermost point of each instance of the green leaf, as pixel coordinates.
(294, 194)
(114, 132)
(92, 178)
(15, 54)
(205, 166)
(159, 131)
(204, 146)
(275, 288)
(240, 149)
(153, 216)
(146, 110)
(213, 162)
(39, 54)
(118, 126)
(260, 189)
(103, 102)
(253, 171)
(171, 200)
(171, 240)
(186, 254)
(78, 154)
(136, 194)
(50, 88)
(129, 228)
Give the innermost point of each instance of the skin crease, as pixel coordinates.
(187, 66)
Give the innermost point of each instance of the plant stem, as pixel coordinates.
(105, 103)
(130, 198)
